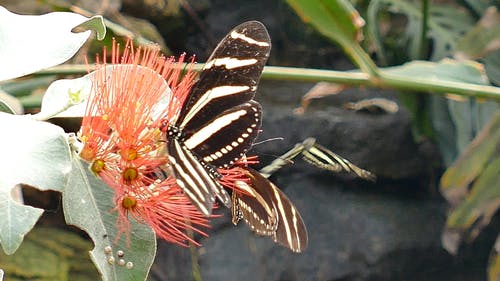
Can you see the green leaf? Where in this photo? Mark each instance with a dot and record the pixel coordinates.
(494, 262)
(341, 23)
(33, 153)
(88, 204)
(337, 20)
(492, 67)
(30, 43)
(446, 70)
(446, 25)
(66, 97)
(483, 38)
(457, 178)
(475, 212)
(95, 23)
(17, 221)
(478, 165)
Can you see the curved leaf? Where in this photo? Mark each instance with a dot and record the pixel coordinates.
(457, 178)
(17, 221)
(469, 218)
(88, 204)
(34, 153)
(30, 43)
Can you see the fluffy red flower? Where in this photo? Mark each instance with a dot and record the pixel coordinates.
(122, 138)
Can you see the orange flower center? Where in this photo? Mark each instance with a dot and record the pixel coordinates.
(97, 166)
(130, 174)
(128, 202)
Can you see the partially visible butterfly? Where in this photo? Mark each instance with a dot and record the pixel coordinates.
(269, 212)
(219, 120)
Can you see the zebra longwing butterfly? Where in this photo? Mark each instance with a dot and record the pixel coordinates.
(219, 120)
(269, 212)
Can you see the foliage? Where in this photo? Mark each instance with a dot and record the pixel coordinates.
(28, 143)
(452, 31)
(31, 143)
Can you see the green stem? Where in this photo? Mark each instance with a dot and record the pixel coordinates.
(352, 78)
(423, 35)
(361, 58)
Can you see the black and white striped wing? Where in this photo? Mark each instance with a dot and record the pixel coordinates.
(324, 158)
(219, 120)
(255, 210)
(229, 79)
(256, 207)
(224, 140)
(291, 232)
(196, 180)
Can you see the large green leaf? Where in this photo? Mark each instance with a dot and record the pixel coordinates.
(30, 43)
(33, 153)
(88, 204)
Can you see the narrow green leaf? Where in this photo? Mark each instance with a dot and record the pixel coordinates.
(88, 204)
(494, 262)
(470, 217)
(457, 178)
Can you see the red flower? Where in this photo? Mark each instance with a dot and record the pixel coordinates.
(122, 139)
(122, 134)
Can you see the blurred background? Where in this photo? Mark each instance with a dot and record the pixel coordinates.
(390, 229)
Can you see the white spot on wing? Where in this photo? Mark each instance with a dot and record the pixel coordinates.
(237, 35)
(211, 94)
(206, 132)
(229, 63)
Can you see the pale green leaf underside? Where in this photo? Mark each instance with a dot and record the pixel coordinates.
(33, 153)
(88, 204)
(57, 96)
(30, 43)
(17, 221)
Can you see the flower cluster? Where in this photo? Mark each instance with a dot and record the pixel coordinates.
(123, 140)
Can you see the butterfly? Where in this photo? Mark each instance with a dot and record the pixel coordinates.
(216, 126)
(219, 120)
